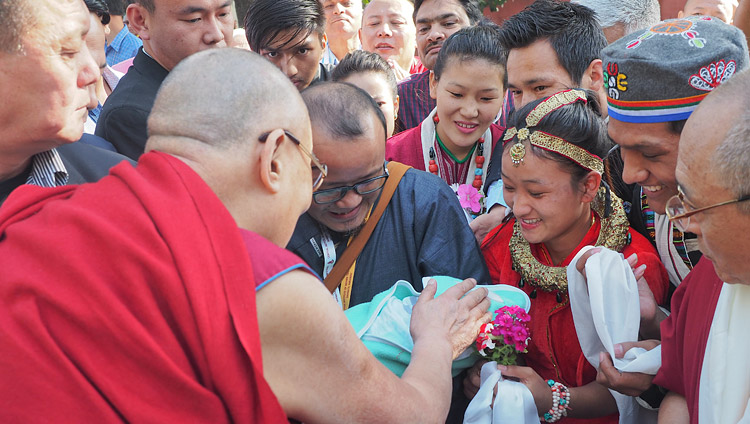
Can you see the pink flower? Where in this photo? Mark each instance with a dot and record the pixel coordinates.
(469, 197)
(506, 336)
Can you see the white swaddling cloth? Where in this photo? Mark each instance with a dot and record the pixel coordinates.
(606, 311)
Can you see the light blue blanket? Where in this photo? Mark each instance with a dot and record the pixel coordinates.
(383, 323)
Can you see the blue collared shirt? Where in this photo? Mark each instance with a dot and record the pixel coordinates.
(123, 47)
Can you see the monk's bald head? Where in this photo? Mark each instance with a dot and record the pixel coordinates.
(222, 98)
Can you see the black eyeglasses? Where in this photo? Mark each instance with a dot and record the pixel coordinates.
(367, 186)
(678, 213)
(320, 170)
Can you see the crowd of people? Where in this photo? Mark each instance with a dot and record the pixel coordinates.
(185, 219)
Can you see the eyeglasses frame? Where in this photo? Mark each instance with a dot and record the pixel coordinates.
(318, 164)
(346, 189)
(681, 197)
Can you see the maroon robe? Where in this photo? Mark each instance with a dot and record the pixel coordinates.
(685, 333)
(128, 300)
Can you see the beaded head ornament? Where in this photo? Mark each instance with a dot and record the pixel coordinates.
(550, 142)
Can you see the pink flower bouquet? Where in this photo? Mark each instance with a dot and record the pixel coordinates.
(502, 339)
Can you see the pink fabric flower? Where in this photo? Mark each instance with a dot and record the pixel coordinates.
(469, 197)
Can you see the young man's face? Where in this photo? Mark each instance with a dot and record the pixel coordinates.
(534, 72)
(177, 29)
(437, 20)
(649, 153)
(297, 57)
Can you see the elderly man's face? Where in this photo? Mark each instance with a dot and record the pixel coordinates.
(388, 30)
(720, 230)
(437, 20)
(343, 18)
(721, 9)
(649, 153)
(349, 162)
(178, 28)
(46, 85)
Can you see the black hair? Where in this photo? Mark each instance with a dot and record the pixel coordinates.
(266, 19)
(471, 7)
(360, 61)
(676, 127)
(577, 123)
(572, 31)
(117, 7)
(99, 8)
(146, 4)
(470, 43)
(340, 107)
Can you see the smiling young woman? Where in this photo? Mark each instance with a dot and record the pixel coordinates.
(552, 173)
(456, 139)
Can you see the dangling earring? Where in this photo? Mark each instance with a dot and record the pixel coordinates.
(436, 118)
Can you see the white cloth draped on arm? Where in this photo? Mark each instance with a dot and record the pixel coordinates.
(606, 311)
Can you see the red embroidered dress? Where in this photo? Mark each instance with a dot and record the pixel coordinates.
(554, 351)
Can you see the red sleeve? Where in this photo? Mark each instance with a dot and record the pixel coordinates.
(497, 133)
(685, 333)
(495, 251)
(656, 275)
(406, 147)
(670, 373)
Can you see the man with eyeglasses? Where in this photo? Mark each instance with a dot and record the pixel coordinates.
(654, 80)
(163, 292)
(422, 232)
(705, 343)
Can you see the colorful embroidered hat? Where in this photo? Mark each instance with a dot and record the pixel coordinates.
(661, 74)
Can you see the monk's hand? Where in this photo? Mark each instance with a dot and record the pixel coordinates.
(535, 383)
(581, 264)
(455, 315)
(483, 224)
(627, 383)
(473, 379)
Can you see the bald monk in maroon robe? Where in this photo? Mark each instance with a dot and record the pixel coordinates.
(160, 294)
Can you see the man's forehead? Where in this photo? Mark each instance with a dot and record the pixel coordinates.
(641, 136)
(291, 38)
(399, 8)
(432, 10)
(59, 20)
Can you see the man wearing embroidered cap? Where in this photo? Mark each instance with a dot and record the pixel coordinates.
(655, 78)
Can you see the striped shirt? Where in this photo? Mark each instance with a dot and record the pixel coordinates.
(415, 102)
(47, 170)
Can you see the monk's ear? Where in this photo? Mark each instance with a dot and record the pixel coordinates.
(433, 85)
(590, 187)
(270, 161)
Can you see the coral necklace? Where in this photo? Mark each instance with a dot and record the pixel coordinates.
(479, 159)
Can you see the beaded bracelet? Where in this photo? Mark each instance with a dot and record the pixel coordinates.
(560, 402)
